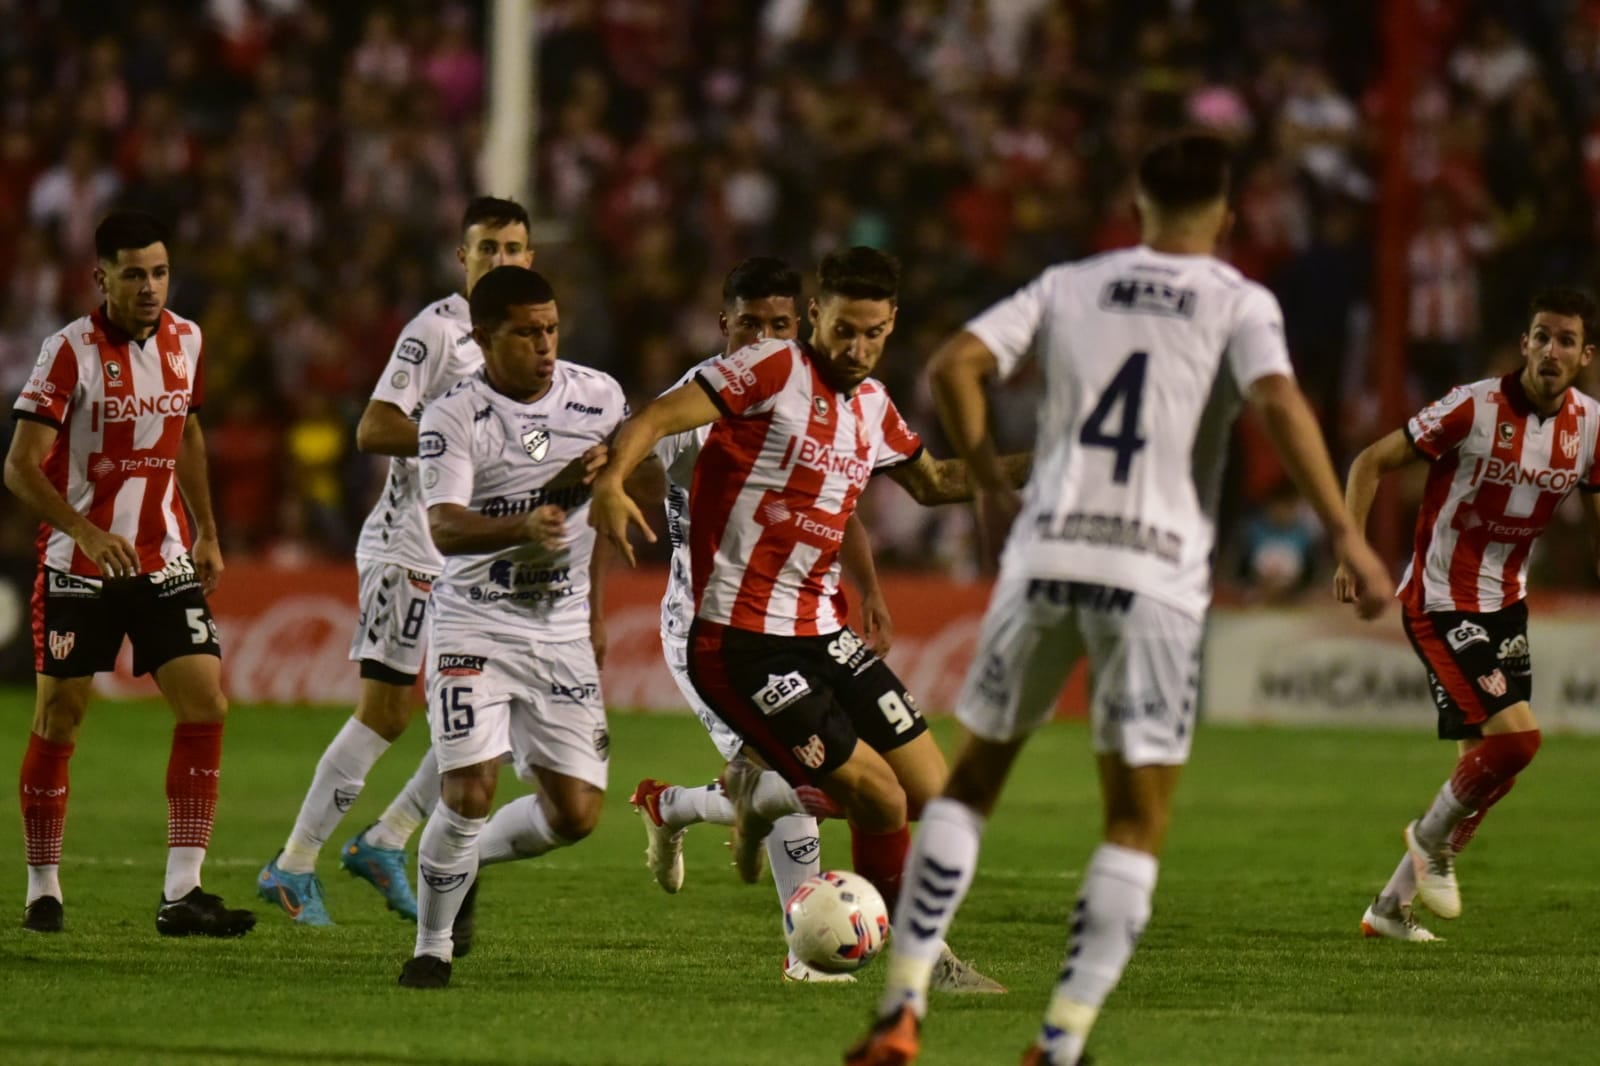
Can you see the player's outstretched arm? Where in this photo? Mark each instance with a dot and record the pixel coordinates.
(959, 373)
(194, 482)
(612, 511)
(457, 530)
(384, 429)
(856, 555)
(933, 481)
(1297, 439)
(25, 478)
(1391, 453)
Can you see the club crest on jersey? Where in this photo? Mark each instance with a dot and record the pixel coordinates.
(819, 404)
(179, 365)
(114, 371)
(1569, 444)
(61, 643)
(1506, 432)
(536, 442)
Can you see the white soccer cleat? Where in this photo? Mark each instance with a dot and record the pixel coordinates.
(739, 782)
(950, 974)
(1436, 876)
(1393, 921)
(795, 972)
(663, 851)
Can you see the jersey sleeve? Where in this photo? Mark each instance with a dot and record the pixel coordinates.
(1440, 427)
(418, 358)
(51, 388)
(897, 442)
(1256, 346)
(748, 381)
(444, 453)
(1008, 328)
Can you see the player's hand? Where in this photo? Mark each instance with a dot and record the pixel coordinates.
(1371, 586)
(611, 512)
(594, 460)
(207, 556)
(1344, 585)
(597, 640)
(876, 625)
(113, 555)
(547, 526)
(997, 509)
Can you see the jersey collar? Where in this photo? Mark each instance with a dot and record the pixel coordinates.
(115, 333)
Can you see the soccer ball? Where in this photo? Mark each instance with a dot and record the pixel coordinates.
(836, 922)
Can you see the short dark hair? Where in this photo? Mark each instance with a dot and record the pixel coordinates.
(759, 277)
(494, 210)
(1186, 172)
(127, 230)
(503, 288)
(859, 273)
(1565, 300)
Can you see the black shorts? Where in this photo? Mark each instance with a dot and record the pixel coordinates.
(802, 702)
(79, 622)
(1478, 664)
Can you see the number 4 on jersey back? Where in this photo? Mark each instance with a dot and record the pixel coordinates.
(1125, 394)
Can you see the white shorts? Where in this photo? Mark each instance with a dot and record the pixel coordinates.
(1144, 666)
(540, 701)
(394, 613)
(676, 652)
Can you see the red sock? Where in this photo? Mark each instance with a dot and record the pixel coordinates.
(192, 775)
(1461, 836)
(44, 799)
(881, 859)
(1484, 769)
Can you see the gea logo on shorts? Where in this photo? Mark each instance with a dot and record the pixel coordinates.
(1466, 634)
(461, 665)
(781, 690)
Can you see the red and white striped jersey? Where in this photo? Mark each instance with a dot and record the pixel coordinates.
(1499, 473)
(777, 479)
(120, 406)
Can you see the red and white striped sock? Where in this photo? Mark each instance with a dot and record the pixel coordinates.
(193, 773)
(43, 788)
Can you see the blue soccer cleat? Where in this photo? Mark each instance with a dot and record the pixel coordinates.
(299, 895)
(384, 869)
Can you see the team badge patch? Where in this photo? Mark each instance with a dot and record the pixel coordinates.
(811, 753)
(536, 442)
(602, 743)
(1494, 683)
(179, 365)
(61, 643)
(1569, 444)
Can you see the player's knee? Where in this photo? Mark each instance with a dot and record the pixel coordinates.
(1141, 830)
(386, 717)
(59, 714)
(877, 806)
(1521, 747)
(575, 818)
(206, 706)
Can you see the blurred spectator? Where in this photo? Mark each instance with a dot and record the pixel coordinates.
(1279, 547)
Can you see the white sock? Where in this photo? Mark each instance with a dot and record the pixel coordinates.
(410, 808)
(183, 871)
(519, 830)
(794, 851)
(341, 772)
(682, 807)
(43, 881)
(447, 864)
(773, 797)
(1113, 908)
(939, 871)
(1402, 886)
(1433, 828)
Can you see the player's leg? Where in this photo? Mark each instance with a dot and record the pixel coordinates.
(60, 704)
(377, 854)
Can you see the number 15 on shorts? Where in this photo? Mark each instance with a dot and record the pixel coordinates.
(455, 712)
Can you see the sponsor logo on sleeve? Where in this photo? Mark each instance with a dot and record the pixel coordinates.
(1465, 635)
(430, 445)
(781, 690)
(412, 351)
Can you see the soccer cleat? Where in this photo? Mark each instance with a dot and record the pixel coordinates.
(382, 868)
(201, 914)
(465, 928)
(797, 972)
(299, 895)
(425, 971)
(663, 851)
(43, 915)
(1436, 876)
(739, 782)
(894, 1041)
(950, 974)
(1394, 921)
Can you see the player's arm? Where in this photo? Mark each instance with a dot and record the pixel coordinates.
(960, 372)
(459, 530)
(933, 481)
(685, 408)
(1382, 457)
(24, 476)
(194, 482)
(384, 429)
(856, 555)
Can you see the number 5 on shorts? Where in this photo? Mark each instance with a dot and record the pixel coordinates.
(896, 712)
(199, 632)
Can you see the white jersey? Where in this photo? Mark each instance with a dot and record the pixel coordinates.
(499, 457)
(1134, 420)
(678, 453)
(434, 351)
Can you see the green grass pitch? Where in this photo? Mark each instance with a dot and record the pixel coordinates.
(1253, 956)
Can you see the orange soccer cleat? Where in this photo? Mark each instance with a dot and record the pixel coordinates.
(894, 1041)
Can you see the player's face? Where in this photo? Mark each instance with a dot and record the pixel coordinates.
(1555, 351)
(486, 246)
(521, 353)
(135, 285)
(749, 321)
(849, 335)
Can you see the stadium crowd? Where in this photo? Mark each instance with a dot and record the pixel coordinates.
(314, 158)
